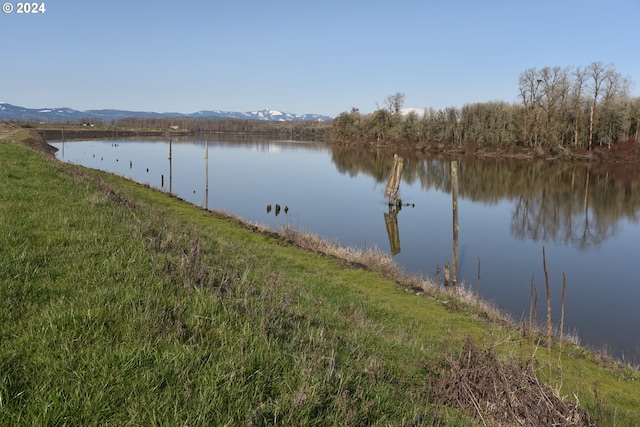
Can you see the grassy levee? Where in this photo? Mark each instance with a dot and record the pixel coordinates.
(122, 305)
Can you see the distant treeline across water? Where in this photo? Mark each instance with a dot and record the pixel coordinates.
(560, 108)
(146, 127)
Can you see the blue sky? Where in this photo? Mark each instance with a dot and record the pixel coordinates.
(301, 56)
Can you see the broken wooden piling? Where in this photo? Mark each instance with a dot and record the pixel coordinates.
(394, 179)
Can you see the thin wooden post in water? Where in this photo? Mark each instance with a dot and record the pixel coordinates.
(454, 203)
(206, 187)
(478, 283)
(170, 169)
(549, 324)
(447, 274)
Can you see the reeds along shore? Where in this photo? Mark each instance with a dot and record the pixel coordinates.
(546, 333)
(498, 379)
(374, 259)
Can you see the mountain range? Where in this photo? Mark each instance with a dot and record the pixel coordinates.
(14, 112)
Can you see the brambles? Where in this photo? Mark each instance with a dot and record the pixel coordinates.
(504, 393)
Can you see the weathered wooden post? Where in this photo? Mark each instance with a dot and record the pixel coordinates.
(394, 180)
(206, 187)
(447, 274)
(454, 203)
(170, 169)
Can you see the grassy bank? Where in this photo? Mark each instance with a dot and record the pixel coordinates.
(122, 305)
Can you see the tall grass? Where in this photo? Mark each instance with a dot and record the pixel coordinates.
(121, 305)
(113, 312)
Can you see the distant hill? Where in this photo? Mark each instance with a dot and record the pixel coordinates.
(14, 112)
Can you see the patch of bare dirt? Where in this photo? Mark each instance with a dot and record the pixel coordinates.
(6, 130)
(623, 152)
(33, 138)
(620, 162)
(35, 141)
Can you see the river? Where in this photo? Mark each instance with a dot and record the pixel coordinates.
(586, 218)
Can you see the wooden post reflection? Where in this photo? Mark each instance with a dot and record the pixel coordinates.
(391, 222)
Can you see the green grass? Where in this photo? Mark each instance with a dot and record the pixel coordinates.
(121, 305)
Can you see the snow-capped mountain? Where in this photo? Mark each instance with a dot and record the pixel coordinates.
(406, 111)
(268, 115)
(14, 112)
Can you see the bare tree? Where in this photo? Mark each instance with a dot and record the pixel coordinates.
(529, 87)
(560, 107)
(596, 72)
(606, 86)
(394, 102)
(554, 84)
(576, 95)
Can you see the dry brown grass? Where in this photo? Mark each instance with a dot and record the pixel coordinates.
(371, 258)
(498, 391)
(504, 394)
(374, 259)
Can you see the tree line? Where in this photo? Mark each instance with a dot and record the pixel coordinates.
(313, 130)
(307, 129)
(558, 108)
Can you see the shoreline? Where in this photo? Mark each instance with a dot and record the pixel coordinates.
(621, 152)
(373, 259)
(625, 153)
(59, 134)
(408, 282)
(274, 247)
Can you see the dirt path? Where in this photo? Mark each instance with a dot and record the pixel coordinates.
(29, 137)
(7, 130)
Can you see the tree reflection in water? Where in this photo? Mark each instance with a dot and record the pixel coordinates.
(569, 203)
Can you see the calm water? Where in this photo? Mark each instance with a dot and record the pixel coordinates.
(587, 220)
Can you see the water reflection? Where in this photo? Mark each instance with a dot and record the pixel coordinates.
(586, 217)
(578, 210)
(561, 202)
(566, 203)
(391, 224)
(568, 215)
